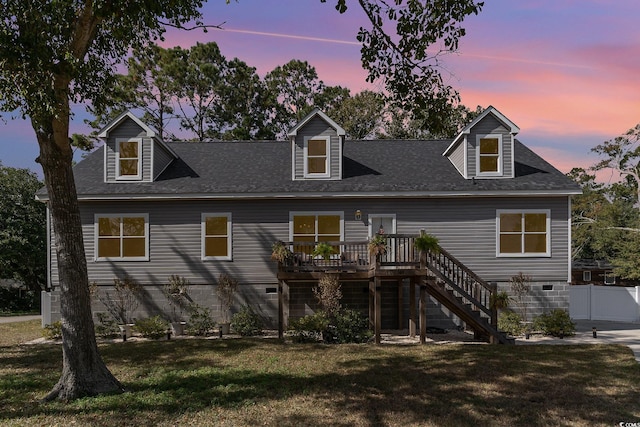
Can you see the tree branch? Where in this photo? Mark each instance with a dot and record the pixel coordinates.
(195, 27)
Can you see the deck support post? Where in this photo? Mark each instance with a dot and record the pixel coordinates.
(423, 312)
(377, 308)
(412, 307)
(372, 304)
(283, 308)
(400, 303)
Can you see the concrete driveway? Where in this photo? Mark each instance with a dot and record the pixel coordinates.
(14, 319)
(607, 333)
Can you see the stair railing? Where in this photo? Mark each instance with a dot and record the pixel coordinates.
(464, 282)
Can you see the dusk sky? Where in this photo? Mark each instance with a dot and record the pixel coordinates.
(565, 71)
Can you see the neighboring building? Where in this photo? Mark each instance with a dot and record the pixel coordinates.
(151, 209)
(596, 272)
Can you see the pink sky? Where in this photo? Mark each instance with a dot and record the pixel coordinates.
(565, 71)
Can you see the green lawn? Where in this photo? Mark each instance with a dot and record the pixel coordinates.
(264, 382)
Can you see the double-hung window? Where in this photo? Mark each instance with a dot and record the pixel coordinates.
(316, 227)
(129, 159)
(489, 155)
(523, 233)
(122, 237)
(316, 157)
(216, 236)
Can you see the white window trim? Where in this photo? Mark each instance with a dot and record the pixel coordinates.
(500, 155)
(607, 275)
(306, 172)
(96, 218)
(546, 254)
(137, 177)
(316, 213)
(372, 217)
(586, 276)
(203, 229)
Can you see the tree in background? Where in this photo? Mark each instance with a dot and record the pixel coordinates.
(606, 217)
(23, 229)
(361, 115)
(403, 124)
(296, 90)
(55, 53)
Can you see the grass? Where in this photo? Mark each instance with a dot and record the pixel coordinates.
(19, 332)
(258, 381)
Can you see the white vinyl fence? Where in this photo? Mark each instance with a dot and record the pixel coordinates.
(590, 302)
(45, 307)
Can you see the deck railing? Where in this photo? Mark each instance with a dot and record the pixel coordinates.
(345, 255)
(399, 252)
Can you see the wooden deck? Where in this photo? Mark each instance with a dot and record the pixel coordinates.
(438, 274)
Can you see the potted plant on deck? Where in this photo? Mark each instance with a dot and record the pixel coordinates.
(426, 243)
(377, 245)
(226, 290)
(324, 250)
(280, 252)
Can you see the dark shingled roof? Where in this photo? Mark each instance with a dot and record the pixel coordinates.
(378, 166)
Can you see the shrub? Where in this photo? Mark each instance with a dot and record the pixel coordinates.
(246, 322)
(346, 326)
(14, 300)
(107, 328)
(352, 327)
(328, 293)
(309, 328)
(53, 331)
(227, 287)
(511, 323)
(176, 292)
(152, 327)
(200, 320)
(557, 323)
(124, 300)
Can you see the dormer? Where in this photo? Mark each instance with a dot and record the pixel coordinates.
(316, 148)
(133, 151)
(484, 148)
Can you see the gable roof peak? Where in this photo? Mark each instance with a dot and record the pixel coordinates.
(316, 112)
(104, 132)
(513, 128)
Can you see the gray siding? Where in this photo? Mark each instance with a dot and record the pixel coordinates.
(128, 129)
(317, 127)
(161, 159)
(490, 125)
(457, 158)
(466, 227)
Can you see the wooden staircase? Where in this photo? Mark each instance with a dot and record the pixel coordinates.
(464, 294)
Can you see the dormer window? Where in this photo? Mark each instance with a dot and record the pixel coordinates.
(129, 159)
(316, 157)
(489, 155)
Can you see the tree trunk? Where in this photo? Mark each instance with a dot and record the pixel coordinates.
(83, 371)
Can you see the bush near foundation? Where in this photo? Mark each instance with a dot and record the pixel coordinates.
(246, 322)
(345, 326)
(152, 327)
(511, 323)
(557, 323)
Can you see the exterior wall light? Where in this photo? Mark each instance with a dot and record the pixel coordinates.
(358, 215)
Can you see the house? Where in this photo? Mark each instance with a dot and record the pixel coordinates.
(151, 209)
(596, 272)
